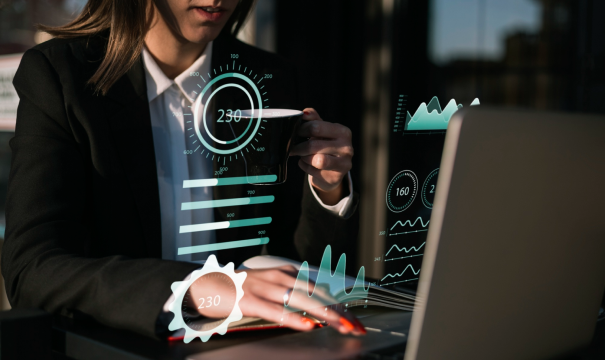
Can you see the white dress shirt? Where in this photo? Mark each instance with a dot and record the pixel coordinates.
(168, 101)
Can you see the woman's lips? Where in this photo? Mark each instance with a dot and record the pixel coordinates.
(210, 13)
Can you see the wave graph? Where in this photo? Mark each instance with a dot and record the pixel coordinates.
(412, 224)
(407, 250)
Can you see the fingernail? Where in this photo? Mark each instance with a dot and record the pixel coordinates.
(359, 326)
(306, 112)
(346, 323)
(307, 321)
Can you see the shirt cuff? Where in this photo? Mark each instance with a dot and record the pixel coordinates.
(342, 208)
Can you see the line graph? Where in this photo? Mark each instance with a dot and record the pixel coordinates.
(407, 251)
(410, 224)
(415, 272)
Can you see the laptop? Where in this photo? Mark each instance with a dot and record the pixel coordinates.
(514, 265)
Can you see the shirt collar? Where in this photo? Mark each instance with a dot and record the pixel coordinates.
(158, 82)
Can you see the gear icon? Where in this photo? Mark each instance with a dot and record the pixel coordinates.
(183, 319)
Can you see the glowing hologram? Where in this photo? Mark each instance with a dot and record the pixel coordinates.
(340, 287)
(180, 289)
(431, 116)
(401, 273)
(413, 248)
(412, 224)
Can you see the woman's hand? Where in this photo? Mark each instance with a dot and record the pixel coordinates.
(264, 291)
(326, 156)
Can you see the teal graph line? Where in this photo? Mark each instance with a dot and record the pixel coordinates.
(412, 224)
(335, 282)
(228, 202)
(404, 257)
(224, 225)
(401, 273)
(413, 248)
(398, 282)
(229, 181)
(222, 246)
(431, 117)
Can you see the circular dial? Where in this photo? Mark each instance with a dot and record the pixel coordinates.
(401, 191)
(428, 188)
(223, 134)
(212, 294)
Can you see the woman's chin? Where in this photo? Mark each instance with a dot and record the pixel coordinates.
(202, 36)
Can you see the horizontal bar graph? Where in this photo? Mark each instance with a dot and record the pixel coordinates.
(224, 225)
(222, 246)
(195, 205)
(241, 180)
(219, 225)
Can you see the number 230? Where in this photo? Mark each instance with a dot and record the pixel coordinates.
(217, 300)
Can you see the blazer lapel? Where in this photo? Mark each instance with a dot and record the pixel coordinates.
(131, 130)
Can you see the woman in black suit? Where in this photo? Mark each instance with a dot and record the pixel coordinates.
(83, 211)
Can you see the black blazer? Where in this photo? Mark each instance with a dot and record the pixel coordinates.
(83, 216)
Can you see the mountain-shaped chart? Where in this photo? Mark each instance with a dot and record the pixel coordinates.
(431, 116)
(341, 287)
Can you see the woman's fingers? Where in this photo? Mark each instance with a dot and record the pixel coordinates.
(268, 291)
(328, 162)
(325, 156)
(288, 269)
(284, 276)
(344, 322)
(257, 307)
(296, 299)
(324, 179)
(320, 307)
(275, 284)
(318, 146)
(324, 130)
(264, 306)
(310, 114)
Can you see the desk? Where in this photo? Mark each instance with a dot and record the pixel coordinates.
(78, 341)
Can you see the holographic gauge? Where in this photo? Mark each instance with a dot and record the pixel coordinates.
(428, 189)
(401, 191)
(223, 134)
